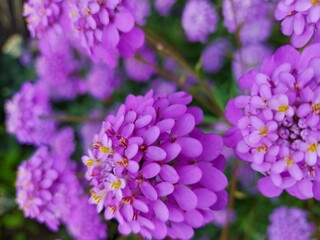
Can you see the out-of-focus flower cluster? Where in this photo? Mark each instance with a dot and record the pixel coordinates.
(300, 19)
(154, 171)
(277, 124)
(289, 223)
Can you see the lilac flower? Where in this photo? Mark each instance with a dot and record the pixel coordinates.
(255, 31)
(213, 55)
(221, 217)
(41, 15)
(276, 124)
(24, 113)
(160, 85)
(248, 58)
(57, 66)
(45, 190)
(199, 19)
(102, 81)
(154, 171)
(105, 29)
(140, 71)
(239, 12)
(141, 10)
(289, 223)
(300, 19)
(84, 223)
(163, 7)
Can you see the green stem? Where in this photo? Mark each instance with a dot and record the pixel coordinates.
(70, 118)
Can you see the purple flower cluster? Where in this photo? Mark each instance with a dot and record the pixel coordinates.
(45, 189)
(199, 19)
(141, 71)
(277, 123)
(102, 81)
(57, 66)
(289, 223)
(41, 15)
(300, 20)
(24, 113)
(105, 28)
(141, 9)
(48, 190)
(154, 171)
(213, 55)
(163, 7)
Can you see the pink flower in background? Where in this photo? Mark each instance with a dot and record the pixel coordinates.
(164, 7)
(199, 19)
(276, 126)
(154, 171)
(300, 19)
(24, 111)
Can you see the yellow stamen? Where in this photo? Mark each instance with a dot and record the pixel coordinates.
(283, 108)
(89, 163)
(87, 11)
(112, 209)
(104, 149)
(316, 108)
(262, 147)
(96, 198)
(116, 184)
(313, 147)
(289, 161)
(264, 131)
(315, 2)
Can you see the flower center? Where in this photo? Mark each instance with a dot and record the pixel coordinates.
(264, 131)
(112, 209)
(104, 149)
(116, 184)
(316, 108)
(313, 147)
(283, 108)
(262, 147)
(96, 198)
(315, 2)
(289, 161)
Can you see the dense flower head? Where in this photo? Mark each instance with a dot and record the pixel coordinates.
(277, 123)
(300, 19)
(249, 57)
(103, 81)
(164, 7)
(105, 28)
(213, 55)
(199, 19)
(24, 111)
(45, 189)
(141, 70)
(289, 223)
(141, 9)
(160, 85)
(153, 170)
(84, 223)
(239, 12)
(57, 66)
(41, 15)
(255, 31)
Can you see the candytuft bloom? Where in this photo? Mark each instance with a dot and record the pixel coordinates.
(103, 81)
(163, 7)
(141, 70)
(154, 171)
(41, 15)
(277, 123)
(24, 111)
(212, 56)
(105, 29)
(199, 19)
(289, 223)
(45, 190)
(300, 19)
